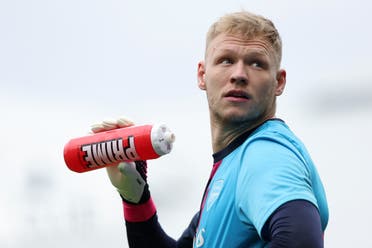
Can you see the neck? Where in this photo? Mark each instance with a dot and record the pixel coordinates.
(224, 133)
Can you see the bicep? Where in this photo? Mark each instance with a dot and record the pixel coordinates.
(294, 224)
(268, 181)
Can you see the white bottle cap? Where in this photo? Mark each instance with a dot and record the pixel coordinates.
(162, 139)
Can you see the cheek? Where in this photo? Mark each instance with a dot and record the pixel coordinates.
(211, 94)
(214, 83)
(267, 90)
(218, 75)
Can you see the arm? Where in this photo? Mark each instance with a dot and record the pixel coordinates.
(294, 224)
(143, 228)
(130, 180)
(282, 204)
(150, 234)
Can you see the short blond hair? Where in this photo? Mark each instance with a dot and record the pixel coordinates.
(249, 26)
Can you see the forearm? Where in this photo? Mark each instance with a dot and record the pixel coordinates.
(149, 233)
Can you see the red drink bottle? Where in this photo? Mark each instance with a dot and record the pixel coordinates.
(112, 147)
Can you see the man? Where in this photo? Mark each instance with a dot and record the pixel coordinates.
(264, 190)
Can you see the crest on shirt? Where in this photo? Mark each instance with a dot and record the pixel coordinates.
(199, 241)
(214, 193)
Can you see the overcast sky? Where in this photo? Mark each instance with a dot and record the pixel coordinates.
(67, 64)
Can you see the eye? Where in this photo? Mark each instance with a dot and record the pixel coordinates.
(259, 64)
(225, 61)
(256, 64)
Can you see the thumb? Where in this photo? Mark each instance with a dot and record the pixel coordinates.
(118, 173)
(127, 181)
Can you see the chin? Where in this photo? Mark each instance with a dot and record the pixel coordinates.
(239, 118)
(234, 118)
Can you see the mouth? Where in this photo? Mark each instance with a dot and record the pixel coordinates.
(237, 94)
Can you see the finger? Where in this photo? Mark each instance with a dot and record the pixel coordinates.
(106, 125)
(114, 174)
(124, 122)
(127, 168)
(113, 169)
(109, 124)
(97, 128)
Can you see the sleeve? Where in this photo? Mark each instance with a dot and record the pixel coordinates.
(149, 233)
(272, 173)
(294, 224)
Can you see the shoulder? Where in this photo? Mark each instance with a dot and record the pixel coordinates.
(273, 151)
(273, 170)
(273, 141)
(274, 130)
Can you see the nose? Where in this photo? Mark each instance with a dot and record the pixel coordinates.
(239, 74)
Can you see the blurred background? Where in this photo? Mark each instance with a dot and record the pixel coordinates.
(67, 64)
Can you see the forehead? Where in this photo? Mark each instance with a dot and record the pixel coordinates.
(230, 43)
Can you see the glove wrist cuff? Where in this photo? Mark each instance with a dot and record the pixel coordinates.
(139, 212)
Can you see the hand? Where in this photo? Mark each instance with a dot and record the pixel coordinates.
(129, 178)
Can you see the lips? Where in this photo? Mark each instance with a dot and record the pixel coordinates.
(240, 94)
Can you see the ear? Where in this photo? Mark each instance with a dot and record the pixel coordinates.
(281, 78)
(201, 75)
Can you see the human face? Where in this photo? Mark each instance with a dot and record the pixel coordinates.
(241, 79)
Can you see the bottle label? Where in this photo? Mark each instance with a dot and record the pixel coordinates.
(109, 152)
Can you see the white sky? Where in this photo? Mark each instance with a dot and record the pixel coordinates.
(67, 64)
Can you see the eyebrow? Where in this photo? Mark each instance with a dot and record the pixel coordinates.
(254, 52)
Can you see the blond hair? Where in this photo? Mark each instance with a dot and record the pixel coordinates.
(248, 26)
